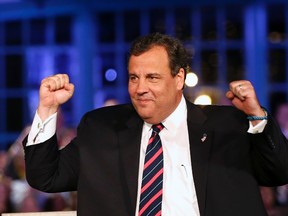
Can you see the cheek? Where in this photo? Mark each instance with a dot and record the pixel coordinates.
(131, 89)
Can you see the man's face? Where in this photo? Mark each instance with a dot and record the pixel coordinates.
(154, 92)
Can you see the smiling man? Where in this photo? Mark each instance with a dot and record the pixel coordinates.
(154, 91)
(160, 155)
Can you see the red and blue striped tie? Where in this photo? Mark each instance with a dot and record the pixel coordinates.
(152, 180)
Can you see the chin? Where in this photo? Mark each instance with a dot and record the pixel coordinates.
(145, 116)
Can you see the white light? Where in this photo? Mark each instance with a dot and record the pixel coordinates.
(191, 79)
(203, 100)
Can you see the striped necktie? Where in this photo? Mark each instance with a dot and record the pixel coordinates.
(152, 180)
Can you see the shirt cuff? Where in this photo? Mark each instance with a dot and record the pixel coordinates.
(259, 128)
(42, 131)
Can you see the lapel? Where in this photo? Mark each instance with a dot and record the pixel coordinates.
(200, 142)
(129, 139)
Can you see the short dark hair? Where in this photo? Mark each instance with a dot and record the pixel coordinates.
(178, 56)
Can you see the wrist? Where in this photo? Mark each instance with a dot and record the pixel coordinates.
(258, 117)
(45, 113)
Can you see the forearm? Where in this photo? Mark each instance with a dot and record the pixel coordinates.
(269, 155)
(49, 170)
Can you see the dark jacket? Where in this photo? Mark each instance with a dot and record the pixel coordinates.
(102, 162)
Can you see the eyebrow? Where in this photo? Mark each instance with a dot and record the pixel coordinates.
(153, 74)
(148, 74)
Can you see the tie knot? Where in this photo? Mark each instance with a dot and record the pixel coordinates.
(157, 127)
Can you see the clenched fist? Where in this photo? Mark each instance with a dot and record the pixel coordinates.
(243, 97)
(54, 91)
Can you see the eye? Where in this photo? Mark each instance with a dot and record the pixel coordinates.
(133, 78)
(153, 77)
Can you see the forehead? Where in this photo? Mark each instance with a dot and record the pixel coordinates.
(157, 55)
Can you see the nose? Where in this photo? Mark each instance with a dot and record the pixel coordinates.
(142, 86)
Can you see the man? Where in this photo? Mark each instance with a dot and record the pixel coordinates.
(214, 158)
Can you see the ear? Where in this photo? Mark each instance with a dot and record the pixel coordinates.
(180, 79)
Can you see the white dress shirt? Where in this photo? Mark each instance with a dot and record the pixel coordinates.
(179, 196)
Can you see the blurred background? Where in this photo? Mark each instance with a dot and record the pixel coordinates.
(89, 40)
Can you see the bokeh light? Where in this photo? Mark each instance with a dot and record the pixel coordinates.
(191, 79)
(203, 100)
(110, 75)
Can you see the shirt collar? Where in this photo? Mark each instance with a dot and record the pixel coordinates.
(176, 118)
(173, 121)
